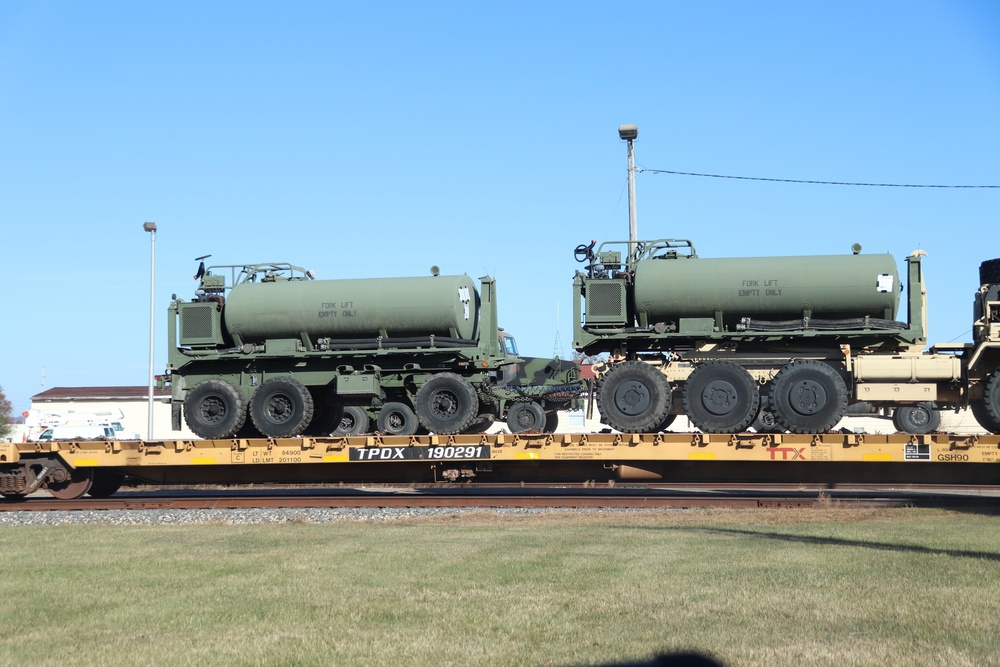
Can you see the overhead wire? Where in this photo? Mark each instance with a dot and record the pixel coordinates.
(795, 180)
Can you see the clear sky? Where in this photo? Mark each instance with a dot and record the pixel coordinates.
(376, 139)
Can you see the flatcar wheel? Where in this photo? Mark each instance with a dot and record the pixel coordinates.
(447, 404)
(214, 409)
(721, 397)
(281, 408)
(808, 396)
(397, 419)
(354, 421)
(105, 484)
(634, 397)
(917, 419)
(73, 485)
(525, 416)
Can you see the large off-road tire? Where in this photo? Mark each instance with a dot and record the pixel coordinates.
(989, 410)
(989, 272)
(667, 421)
(481, 423)
(991, 396)
(634, 397)
(808, 396)
(214, 409)
(721, 397)
(551, 422)
(447, 404)
(978, 409)
(281, 408)
(524, 417)
(485, 419)
(397, 419)
(353, 421)
(765, 421)
(917, 419)
(327, 412)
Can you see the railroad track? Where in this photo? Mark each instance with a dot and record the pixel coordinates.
(566, 497)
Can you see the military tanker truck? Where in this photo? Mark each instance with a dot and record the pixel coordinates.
(790, 342)
(266, 349)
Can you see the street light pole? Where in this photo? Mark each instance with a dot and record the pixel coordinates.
(629, 133)
(151, 228)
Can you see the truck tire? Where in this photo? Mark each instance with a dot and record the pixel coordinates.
(353, 421)
(808, 396)
(721, 397)
(327, 413)
(281, 408)
(765, 421)
(634, 397)
(989, 272)
(214, 409)
(551, 422)
(978, 409)
(525, 416)
(446, 404)
(916, 419)
(667, 421)
(991, 400)
(397, 419)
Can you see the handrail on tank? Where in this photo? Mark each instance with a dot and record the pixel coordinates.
(637, 251)
(264, 272)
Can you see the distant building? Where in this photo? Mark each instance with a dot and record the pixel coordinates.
(132, 401)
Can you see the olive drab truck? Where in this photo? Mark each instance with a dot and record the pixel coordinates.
(267, 349)
(789, 342)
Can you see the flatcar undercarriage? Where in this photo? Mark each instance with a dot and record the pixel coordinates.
(69, 470)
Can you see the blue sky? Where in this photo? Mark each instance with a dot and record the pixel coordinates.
(377, 139)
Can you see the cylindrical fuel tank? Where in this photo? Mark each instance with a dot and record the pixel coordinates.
(361, 308)
(768, 288)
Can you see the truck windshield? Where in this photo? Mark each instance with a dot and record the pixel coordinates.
(509, 345)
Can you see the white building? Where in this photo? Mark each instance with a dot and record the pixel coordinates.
(132, 401)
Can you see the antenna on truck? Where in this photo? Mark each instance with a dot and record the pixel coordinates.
(201, 266)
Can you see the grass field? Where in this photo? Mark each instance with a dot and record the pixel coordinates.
(782, 587)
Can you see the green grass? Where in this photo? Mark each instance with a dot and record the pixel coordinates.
(891, 587)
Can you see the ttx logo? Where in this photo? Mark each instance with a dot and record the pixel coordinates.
(787, 453)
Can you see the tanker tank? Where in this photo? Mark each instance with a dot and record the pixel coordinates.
(824, 287)
(445, 306)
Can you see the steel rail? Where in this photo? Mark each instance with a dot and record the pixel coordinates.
(690, 497)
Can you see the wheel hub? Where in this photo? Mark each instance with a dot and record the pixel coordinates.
(444, 404)
(632, 398)
(213, 410)
(279, 409)
(807, 397)
(719, 397)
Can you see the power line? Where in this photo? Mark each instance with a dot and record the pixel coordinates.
(793, 180)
